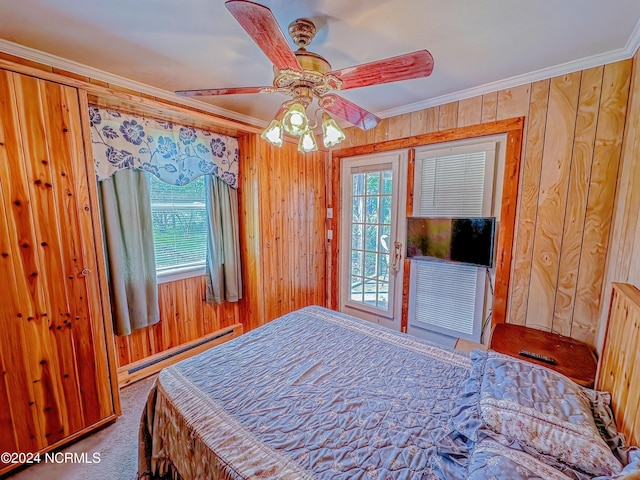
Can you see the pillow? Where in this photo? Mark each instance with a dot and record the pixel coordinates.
(490, 461)
(534, 406)
(604, 420)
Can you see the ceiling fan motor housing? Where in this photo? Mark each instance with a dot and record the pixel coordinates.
(305, 75)
(302, 31)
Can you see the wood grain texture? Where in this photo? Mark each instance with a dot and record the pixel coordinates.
(185, 316)
(513, 102)
(56, 337)
(602, 187)
(579, 176)
(87, 192)
(550, 245)
(399, 126)
(406, 272)
(529, 191)
(418, 122)
(619, 368)
(448, 116)
(334, 198)
(624, 252)
(471, 131)
(379, 133)
(506, 233)
(469, 111)
(290, 229)
(433, 117)
(552, 199)
(489, 107)
(23, 426)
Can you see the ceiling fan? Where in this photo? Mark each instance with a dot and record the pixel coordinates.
(305, 75)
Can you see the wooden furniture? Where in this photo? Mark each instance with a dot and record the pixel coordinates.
(619, 369)
(572, 358)
(57, 382)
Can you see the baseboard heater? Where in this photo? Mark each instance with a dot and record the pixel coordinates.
(148, 366)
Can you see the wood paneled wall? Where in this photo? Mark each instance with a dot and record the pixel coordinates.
(624, 258)
(574, 127)
(282, 229)
(184, 316)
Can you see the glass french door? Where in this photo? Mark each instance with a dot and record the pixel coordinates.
(372, 226)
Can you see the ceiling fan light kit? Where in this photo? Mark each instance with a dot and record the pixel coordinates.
(305, 76)
(307, 142)
(295, 120)
(274, 133)
(332, 134)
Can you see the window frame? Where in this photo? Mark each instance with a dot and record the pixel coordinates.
(493, 146)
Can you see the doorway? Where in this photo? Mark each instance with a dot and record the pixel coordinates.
(373, 221)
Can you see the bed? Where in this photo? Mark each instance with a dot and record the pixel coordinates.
(317, 394)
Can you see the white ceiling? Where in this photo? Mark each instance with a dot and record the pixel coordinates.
(478, 46)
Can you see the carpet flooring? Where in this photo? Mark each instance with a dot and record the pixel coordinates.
(117, 445)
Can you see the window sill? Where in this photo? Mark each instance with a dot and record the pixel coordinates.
(180, 273)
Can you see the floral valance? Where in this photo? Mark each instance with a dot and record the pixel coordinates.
(173, 153)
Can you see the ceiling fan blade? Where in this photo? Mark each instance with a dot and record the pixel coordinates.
(261, 25)
(206, 92)
(403, 67)
(351, 112)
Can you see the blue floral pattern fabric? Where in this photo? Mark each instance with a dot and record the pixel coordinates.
(175, 154)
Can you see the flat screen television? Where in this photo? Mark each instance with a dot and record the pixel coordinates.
(451, 239)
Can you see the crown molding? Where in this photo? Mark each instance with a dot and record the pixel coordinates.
(630, 49)
(632, 45)
(112, 79)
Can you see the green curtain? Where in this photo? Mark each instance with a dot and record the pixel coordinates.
(224, 279)
(126, 216)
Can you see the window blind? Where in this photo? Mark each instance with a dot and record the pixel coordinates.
(453, 185)
(179, 221)
(445, 297)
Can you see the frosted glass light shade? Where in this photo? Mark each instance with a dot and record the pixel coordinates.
(274, 133)
(307, 142)
(295, 120)
(332, 134)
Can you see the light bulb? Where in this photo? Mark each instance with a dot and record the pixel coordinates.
(295, 119)
(273, 133)
(331, 132)
(307, 142)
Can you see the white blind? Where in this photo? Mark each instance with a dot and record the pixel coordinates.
(179, 221)
(445, 295)
(453, 185)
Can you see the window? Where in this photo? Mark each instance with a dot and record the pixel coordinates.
(449, 299)
(370, 235)
(179, 220)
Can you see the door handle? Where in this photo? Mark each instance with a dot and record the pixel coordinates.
(397, 257)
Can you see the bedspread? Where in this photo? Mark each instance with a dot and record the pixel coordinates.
(312, 395)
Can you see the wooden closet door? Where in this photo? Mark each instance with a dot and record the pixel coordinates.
(55, 376)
